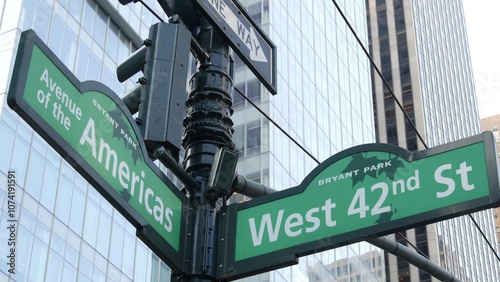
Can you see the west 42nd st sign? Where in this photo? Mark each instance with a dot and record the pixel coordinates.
(360, 193)
(85, 122)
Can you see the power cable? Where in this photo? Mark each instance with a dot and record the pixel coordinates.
(275, 124)
(484, 236)
(151, 11)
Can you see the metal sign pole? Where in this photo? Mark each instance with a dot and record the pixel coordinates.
(208, 128)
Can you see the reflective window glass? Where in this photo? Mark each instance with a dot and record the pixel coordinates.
(6, 144)
(83, 61)
(253, 139)
(103, 233)
(71, 255)
(89, 15)
(99, 276)
(164, 272)
(57, 244)
(63, 201)
(42, 20)
(123, 49)
(24, 130)
(42, 232)
(23, 252)
(128, 254)
(100, 27)
(27, 14)
(64, 3)
(69, 272)
(253, 90)
(75, 9)
(54, 267)
(142, 260)
(83, 277)
(91, 222)
(116, 247)
(69, 47)
(113, 273)
(57, 34)
(94, 71)
(108, 76)
(35, 174)
(86, 268)
(49, 186)
(77, 211)
(21, 150)
(38, 259)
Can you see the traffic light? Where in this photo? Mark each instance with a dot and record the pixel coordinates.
(164, 61)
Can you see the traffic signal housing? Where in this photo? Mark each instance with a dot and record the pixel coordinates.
(164, 61)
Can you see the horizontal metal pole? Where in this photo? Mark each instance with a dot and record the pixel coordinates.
(161, 154)
(415, 259)
(250, 188)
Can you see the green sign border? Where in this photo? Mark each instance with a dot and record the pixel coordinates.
(233, 269)
(16, 102)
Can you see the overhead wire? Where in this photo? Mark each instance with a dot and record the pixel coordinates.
(275, 124)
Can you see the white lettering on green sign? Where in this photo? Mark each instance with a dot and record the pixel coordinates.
(160, 213)
(63, 100)
(96, 128)
(294, 223)
(360, 191)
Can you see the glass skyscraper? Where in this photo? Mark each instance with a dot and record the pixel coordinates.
(422, 50)
(68, 232)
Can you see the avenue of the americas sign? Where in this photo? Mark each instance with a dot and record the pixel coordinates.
(360, 193)
(246, 38)
(85, 122)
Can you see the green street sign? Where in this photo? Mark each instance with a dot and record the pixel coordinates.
(360, 193)
(87, 124)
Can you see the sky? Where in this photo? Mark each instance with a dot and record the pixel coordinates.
(483, 29)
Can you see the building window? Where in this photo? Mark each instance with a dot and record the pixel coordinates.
(253, 140)
(250, 88)
(238, 100)
(253, 90)
(247, 139)
(255, 12)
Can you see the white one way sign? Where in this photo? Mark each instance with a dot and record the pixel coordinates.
(247, 36)
(244, 36)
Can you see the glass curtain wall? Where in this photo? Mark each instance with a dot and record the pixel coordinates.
(66, 230)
